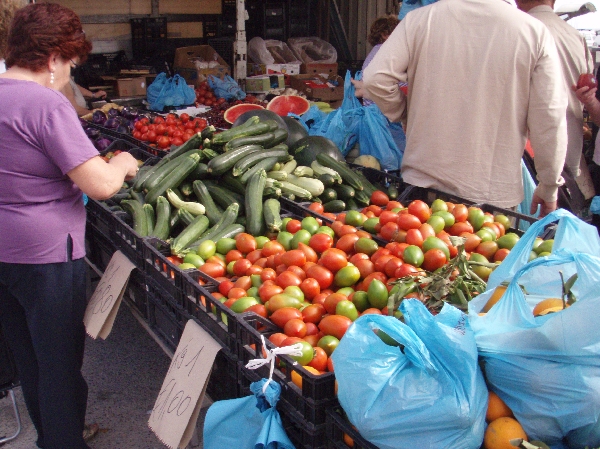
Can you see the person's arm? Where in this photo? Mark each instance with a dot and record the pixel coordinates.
(100, 180)
(547, 126)
(89, 94)
(587, 96)
(67, 91)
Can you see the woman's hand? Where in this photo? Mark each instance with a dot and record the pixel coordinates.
(99, 94)
(358, 87)
(128, 162)
(585, 94)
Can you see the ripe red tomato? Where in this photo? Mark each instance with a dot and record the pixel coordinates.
(310, 287)
(320, 242)
(323, 276)
(293, 257)
(283, 315)
(313, 313)
(434, 259)
(419, 209)
(319, 361)
(334, 259)
(177, 141)
(331, 301)
(309, 253)
(414, 237)
(346, 242)
(163, 142)
(268, 289)
(408, 221)
(287, 278)
(335, 325)
(295, 328)
(293, 226)
(245, 242)
(379, 198)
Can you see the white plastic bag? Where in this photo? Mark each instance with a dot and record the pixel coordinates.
(312, 49)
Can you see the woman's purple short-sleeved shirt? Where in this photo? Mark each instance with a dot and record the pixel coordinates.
(41, 140)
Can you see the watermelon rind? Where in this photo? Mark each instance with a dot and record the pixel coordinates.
(306, 149)
(283, 105)
(233, 112)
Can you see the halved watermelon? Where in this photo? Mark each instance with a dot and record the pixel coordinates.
(306, 149)
(284, 104)
(232, 113)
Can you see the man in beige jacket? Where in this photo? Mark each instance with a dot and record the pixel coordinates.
(481, 75)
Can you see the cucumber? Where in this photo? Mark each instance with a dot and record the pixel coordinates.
(241, 131)
(227, 219)
(223, 162)
(334, 206)
(265, 164)
(212, 211)
(232, 183)
(344, 191)
(191, 233)
(136, 210)
(162, 226)
(253, 203)
(176, 177)
(248, 161)
(150, 217)
(260, 139)
(343, 170)
(272, 214)
(280, 135)
(328, 194)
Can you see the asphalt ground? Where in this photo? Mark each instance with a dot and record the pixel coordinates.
(124, 375)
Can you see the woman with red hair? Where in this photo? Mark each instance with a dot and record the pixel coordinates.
(46, 164)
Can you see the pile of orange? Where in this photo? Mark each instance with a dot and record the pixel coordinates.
(502, 426)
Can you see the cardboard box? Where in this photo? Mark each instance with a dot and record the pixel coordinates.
(264, 83)
(319, 88)
(254, 69)
(196, 63)
(314, 68)
(128, 87)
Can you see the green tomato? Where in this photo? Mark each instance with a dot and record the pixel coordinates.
(437, 222)
(413, 255)
(243, 303)
(207, 249)
(432, 242)
(294, 291)
(346, 291)
(346, 308)
(508, 240)
(377, 294)
(366, 246)
(301, 235)
(187, 266)
(361, 300)
(370, 224)
(225, 244)
(285, 238)
(326, 230)
(261, 240)
(310, 224)
(447, 216)
(439, 205)
(328, 343)
(347, 276)
(308, 352)
(194, 259)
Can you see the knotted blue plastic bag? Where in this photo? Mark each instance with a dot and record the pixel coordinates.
(341, 126)
(409, 5)
(226, 88)
(251, 422)
(430, 394)
(528, 188)
(169, 92)
(547, 368)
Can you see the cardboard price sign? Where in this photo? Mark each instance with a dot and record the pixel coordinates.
(176, 410)
(104, 304)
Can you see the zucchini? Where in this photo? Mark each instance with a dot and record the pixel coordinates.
(224, 197)
(185, 217)
(361, 197)
(164, 171)
(259, 139)
(212, 211)
(136, 210)
(186, 187)
(334, 206)
(223, 162)
(279, 175)
(192, 207)
(290, 166)
(313, 185)
(328, 194)
(351, 204)
(191, 233)
(162, 226)
(207, 132)
(251, 159)
(344, 191)
(253, 203)
(342, 168)
(265, 164)
(287, 188)
(272, 214)
(393, 192)
(280, 135)
(252, 129)
(303, 170)
(232, 183)
(227, 219)
(174, 218)
(150, 217)
(176, 177)
(320, 170)
(200, 172)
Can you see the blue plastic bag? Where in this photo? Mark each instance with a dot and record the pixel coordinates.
(375, 139)
(169, 92)
(430, 394)
(528, 189)
(547, 368)
(226, 88)
(409, 5)
(251, 422)
(341, 126)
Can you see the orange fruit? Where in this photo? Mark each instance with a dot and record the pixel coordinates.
(547, 306)
(500, 431)
(297, 378)
(497, 408)
(498, 292)
(348, 440)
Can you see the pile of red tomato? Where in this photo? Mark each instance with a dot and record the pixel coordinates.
(170, 130)
(205, 95)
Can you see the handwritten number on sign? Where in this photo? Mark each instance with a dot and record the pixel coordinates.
(104, 297)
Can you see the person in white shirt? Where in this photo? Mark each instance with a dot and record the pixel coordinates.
(482, 75)
(7, 10)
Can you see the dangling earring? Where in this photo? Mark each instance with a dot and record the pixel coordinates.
(51, 77)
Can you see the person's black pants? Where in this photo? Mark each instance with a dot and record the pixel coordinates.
(41, 313)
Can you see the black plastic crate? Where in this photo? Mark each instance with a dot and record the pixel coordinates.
(129, 138)
(165, 317)
(100, 247)
(147, 34)
(137, 292)
(317, 392)
(210, 27)
(224, 45)
(338, 429)
(223, 381)
(100, 217)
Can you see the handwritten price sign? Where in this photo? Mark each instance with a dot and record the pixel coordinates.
(177, 406)
(104, 304)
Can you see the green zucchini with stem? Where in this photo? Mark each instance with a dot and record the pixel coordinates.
(136, 210)
(272, 214)
(343, 170)
(253, 203)
(265, 164)
(212, 211)
(225, 161)
(176, 177)
(191, 233)
(249, 160)
(162, 226)
(150, 217)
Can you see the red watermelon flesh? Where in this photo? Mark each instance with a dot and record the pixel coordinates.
(232, 113)
(284, 104)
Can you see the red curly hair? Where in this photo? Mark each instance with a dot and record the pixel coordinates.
(41, 29)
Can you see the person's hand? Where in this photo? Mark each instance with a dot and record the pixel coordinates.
(585, 94)
(128, 162)
(358, 87)
(545, 206)
(99, 94)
